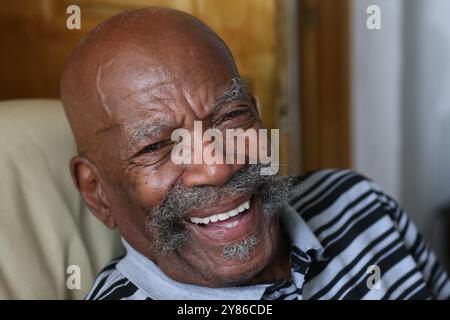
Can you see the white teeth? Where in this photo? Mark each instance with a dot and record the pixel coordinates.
(232, 224)
(234, 212)
(223, 216)
(195, 220)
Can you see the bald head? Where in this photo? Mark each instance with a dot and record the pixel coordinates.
(129, 61)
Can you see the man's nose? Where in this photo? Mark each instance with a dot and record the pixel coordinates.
(196, 175)
(205, 171)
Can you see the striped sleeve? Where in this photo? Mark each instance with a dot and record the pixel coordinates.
(359, 227)
(111, 284)
(432, 271)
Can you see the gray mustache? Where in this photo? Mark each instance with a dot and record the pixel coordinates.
(166, 221)
(183, 199)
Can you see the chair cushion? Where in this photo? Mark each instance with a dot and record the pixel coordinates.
(44, 226)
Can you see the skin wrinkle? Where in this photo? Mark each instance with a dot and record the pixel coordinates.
(160, 101)
(100, 93)
(147, 89)
(193, 67)
(104, 130)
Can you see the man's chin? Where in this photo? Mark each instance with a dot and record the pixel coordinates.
(234, 258)
(241, 271)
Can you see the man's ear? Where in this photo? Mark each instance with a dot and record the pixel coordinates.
(87, 180)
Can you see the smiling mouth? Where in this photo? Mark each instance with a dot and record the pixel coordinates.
(229, 219)
(235, 221)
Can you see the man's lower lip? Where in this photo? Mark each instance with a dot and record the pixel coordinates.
(224, 234)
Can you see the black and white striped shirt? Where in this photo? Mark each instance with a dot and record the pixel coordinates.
(340, 225)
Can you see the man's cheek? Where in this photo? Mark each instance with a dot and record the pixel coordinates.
(148, 189)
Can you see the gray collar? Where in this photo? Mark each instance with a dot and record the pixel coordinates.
(300, 233)
(147, 276)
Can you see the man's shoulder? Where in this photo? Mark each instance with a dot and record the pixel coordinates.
(111, 284)
(329, 191)
(319, 183)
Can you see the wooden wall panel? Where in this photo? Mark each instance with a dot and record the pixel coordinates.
(324, 89)
(36, 43)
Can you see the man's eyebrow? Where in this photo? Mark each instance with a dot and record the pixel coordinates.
(140, 131)
(236, 90)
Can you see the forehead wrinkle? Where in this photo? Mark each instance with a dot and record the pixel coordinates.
(154, 104)
(153, 97)
(146, 90)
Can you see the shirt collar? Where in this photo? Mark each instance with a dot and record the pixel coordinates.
(300, 233)
(146, 275)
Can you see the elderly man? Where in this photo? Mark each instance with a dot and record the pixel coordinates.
(218, 230)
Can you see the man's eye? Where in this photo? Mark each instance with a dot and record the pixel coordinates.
(234, 114)
(154, 147)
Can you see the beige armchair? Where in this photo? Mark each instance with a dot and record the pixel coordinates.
(46, 233)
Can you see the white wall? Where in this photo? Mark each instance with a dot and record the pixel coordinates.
(376, 93)
(401, 105)
(426, 111)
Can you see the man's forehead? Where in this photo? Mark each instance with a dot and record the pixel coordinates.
(123, 79)
(138, 74)
(142, 88)
(158, 113)
(143, 122)
(157, 102)
(150, 125)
